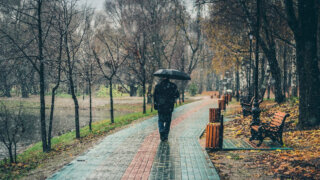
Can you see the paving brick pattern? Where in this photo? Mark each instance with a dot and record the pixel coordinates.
(137, 153)
(110, 158)
(187, 159)
(141, 164)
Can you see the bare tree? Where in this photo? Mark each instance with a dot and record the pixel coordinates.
(109, 55)
(88, 68)
(75, 26)
(12, 127)
(36, 16)
(193, 40)
(56, 66)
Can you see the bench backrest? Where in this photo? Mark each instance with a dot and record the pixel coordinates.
(278, 120)
(251, 101)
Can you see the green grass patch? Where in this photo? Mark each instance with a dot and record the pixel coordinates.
(104, 92)
(33, 157)
(271, 99)
(63, 95)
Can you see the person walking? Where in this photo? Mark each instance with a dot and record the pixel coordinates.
(165, 95)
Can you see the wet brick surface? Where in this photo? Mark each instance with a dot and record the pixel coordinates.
(137, 152)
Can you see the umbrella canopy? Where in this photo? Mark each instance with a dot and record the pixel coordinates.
(172, 74)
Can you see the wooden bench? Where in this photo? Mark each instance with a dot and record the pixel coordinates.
(246, 107)
(273, 129)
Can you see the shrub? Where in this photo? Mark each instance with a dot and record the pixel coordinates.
(193, 89)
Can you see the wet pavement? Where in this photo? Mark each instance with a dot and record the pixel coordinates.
(137, 152)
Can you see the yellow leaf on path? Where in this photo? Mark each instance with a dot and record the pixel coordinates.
(229, 157)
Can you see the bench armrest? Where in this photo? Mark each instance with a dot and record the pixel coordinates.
(245, 104)
(270, 128)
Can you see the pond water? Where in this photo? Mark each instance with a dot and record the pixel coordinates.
(63, 122)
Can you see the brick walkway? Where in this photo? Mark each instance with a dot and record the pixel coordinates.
(137, 152)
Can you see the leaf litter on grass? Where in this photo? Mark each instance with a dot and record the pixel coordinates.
(303, 162)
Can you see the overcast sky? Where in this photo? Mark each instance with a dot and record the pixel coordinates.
(98, 4)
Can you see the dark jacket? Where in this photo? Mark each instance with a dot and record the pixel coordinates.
(165, 95)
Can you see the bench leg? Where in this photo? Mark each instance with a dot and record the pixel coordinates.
(253, 135)
(280, 139)
(260, 137)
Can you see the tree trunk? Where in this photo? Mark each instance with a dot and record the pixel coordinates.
(42, 80)
(289, 80)
(305, 32)
(284, 87)
(149, 94)
(24, 89)
(275, 71)
(133, 90)
(15, 150)
(309, 107)
(183, 89)
(217, 83)
(7, 89)
(307, 63)
(51, 115)
(90, 103)
(269, 88)
(72, 89)
(43, 108)
(10, 154)
(201, 81)
(262, 81)
(76, 105)
(144, 96)
(250, 82)
(209, 82)
(294, 91)
(54, 92)
(237, 82)
(111, 101)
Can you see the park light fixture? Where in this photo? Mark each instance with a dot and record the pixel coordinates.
(250, 36)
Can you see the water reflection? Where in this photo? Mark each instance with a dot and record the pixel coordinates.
(167, 161)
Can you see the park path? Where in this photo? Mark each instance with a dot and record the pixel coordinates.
(137, 153)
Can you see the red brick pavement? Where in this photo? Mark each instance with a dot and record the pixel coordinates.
(141, 164)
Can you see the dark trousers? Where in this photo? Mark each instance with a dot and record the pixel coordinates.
(164, 124)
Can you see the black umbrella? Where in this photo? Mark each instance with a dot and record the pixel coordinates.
(172, 74)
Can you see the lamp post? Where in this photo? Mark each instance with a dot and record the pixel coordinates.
(227, 77)
(256, 110)
(248, 79)
(250, 67)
